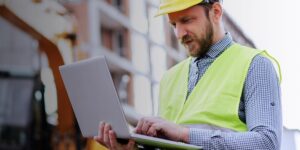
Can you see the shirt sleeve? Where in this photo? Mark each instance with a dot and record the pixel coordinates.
(261, 95)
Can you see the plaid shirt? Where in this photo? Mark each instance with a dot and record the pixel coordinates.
(260, 106)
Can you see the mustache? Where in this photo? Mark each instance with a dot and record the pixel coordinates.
(186, 38)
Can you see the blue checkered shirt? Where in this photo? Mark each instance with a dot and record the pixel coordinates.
(260, 106)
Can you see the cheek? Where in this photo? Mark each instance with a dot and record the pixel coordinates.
(201, 32)
(200, 28)
(198, 35)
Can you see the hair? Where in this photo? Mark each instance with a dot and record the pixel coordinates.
(207, 4)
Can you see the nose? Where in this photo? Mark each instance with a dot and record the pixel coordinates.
(180, 31)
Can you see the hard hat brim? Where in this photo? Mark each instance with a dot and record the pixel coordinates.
(166, 9)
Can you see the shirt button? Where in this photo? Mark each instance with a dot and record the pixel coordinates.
(272, 104)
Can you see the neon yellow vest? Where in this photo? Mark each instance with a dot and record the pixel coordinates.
(216, 97)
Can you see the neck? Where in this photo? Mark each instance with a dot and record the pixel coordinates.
(219, 34)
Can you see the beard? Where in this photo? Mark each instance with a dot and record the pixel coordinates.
(203, 43)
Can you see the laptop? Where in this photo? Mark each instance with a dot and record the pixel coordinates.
(94, 98)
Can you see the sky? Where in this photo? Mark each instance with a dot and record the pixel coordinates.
(274, 26)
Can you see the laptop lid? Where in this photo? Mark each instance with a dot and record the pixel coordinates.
(94, 99)
(91, 90)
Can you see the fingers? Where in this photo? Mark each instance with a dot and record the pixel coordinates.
(106, 141)
(99, 137)
(107, 137)
(101, 129)
(130, 144)
(152, 131)
(143, 125)
(138, 128)
(114, 145)
(103, 134)
(113, 140)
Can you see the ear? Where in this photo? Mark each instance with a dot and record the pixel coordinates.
(217, 12)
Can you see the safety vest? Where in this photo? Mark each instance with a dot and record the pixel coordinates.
(216, 97)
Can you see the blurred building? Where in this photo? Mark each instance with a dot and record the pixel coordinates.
(138, 46)
(139, 49)
(36, 37)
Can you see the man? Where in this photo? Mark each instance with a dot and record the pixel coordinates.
(225, 96)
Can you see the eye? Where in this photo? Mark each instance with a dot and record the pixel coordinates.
(186, 20)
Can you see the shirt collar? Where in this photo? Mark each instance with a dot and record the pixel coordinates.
(216, 49)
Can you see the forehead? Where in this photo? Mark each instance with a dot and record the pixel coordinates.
(192, 11)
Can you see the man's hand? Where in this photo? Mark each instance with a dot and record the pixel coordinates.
(108, 138)
(157, 127)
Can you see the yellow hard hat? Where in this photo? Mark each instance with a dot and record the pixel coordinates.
(169, 6)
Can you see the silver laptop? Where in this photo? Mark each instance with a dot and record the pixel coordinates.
(93, 97)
